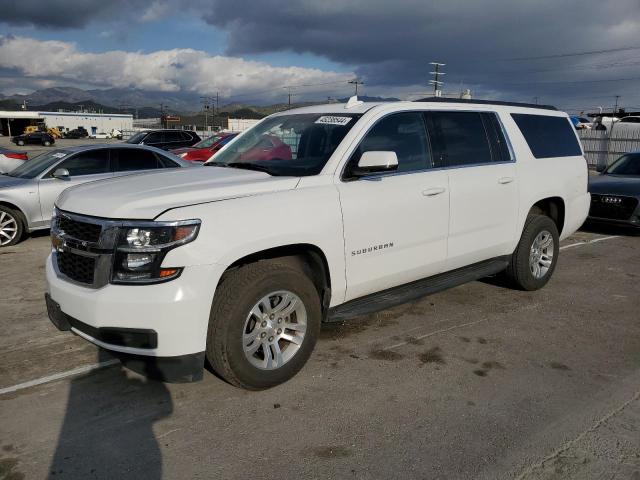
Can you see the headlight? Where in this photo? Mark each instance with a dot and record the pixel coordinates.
(141, 248)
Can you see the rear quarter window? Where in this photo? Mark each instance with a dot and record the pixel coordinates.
(548, 136)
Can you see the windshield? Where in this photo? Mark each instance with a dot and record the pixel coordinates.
(626, 165)
(34, 167)
(208, 141)
(137, 138)
(288, 145)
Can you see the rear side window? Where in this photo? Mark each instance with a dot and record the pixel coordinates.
(130, 159)
(458, 138)
(548, 136)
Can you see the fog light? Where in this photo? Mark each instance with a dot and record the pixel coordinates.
(137, 260)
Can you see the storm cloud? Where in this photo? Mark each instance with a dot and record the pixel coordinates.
(571, 52)
(486, 44)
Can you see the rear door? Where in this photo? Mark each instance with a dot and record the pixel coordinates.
(83, 167)
(483, 184)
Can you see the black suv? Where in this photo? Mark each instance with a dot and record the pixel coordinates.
(40, 138)
(165, 139)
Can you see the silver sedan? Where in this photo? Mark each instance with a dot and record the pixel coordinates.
(28, 193)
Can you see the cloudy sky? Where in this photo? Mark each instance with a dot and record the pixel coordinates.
(573, 53)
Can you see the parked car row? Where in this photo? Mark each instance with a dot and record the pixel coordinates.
(28, 192)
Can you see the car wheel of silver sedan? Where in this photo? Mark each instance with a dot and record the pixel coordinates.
(10, 227)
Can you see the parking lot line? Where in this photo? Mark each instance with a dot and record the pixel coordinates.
(58, 376)
(108, 363)
(595, 240)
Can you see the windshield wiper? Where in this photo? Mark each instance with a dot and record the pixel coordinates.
(250, 166)
(215, 164)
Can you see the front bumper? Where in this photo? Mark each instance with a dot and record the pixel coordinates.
(155, 324)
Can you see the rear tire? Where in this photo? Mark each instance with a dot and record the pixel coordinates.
(46, 143)
(11, 227)
(536, 255)
(253, 325)
(21, 143)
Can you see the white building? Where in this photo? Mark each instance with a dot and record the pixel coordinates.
(14, 122)
(240, 124)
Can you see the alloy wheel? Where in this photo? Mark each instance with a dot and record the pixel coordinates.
(8, 228)
(274, 330)
(541, 254)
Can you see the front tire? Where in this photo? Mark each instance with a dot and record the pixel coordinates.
(46, 143)
(21, 143)
(264, 322)
(11, 227)
(536, 255)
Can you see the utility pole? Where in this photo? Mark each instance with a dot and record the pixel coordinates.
(162, 115)
(289, 95)
(535, 100)
(216, 108)
(356, 82)
(205, 108)
(436, 78)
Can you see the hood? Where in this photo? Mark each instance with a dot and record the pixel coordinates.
(615, 185)
(7, 181)
(147, 195)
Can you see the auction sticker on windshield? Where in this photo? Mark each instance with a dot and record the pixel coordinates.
(331, 120)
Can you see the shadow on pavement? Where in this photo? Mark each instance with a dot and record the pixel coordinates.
(108, 427)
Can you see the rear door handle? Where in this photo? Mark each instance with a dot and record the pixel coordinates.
(430, 192)
(505, 180)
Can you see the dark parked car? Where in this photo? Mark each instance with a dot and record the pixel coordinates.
(39, 138)
(79, 132)
(165, 139)
(615, 194)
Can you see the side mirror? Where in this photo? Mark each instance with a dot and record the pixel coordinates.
(600, 168)
(61, 174)
(376, 162)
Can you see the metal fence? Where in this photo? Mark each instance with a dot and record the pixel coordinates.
(603, 147)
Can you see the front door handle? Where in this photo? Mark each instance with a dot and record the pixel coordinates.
(505, 180)
(430, 192)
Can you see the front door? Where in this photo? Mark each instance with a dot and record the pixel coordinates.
(395, 225)
(83, 167)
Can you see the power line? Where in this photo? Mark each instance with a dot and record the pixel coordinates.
(574, 54)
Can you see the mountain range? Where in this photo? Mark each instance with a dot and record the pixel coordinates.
(114, 100)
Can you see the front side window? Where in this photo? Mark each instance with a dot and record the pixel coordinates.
(92, 162)
(403, 133)
(288, 145)
(131, 159)
(137, 138)
(628, 164)
(34, 167)
(548, 136)
(458, 138)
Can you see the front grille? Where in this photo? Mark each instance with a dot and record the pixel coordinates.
(615, 207)
(76, 267)
(88, 232)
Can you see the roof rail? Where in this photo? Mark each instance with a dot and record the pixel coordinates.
(485, 102)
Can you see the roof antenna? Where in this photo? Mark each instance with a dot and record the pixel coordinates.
(353, 102)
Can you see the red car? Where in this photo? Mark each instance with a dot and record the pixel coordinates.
(202, 151)
(270, 147)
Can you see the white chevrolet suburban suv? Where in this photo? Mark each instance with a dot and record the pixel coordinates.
(314, 214)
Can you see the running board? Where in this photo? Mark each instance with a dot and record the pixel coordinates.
(415, 290)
